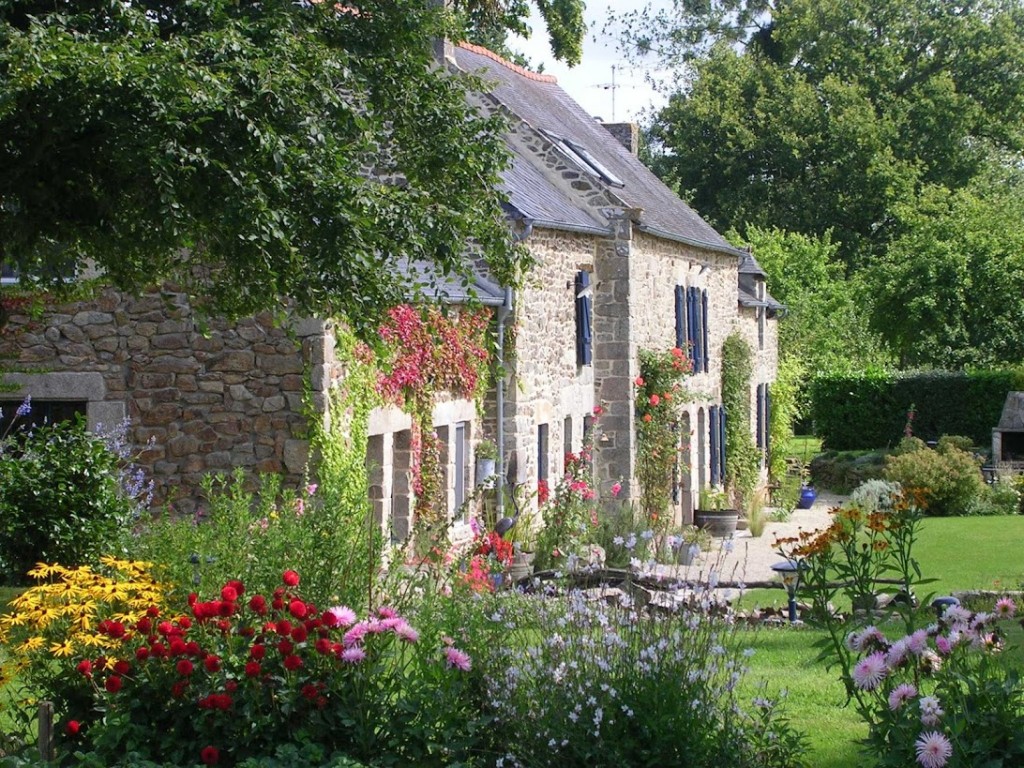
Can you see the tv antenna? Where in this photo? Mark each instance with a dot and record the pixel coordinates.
(613, 86)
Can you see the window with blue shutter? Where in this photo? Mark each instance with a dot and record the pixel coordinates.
(760, 417)
(681, 341)
(584, 306)
(767, 422)
(693, 328)
(713, 433)
(722, 416)
(704, 329)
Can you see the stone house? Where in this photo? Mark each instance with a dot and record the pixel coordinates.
(622, 264)
(616, 248)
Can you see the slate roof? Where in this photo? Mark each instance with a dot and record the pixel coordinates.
(540, 101)
(536, 197)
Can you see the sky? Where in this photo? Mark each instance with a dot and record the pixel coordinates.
(590, 82)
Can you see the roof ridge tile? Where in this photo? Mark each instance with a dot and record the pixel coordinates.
(479, 49)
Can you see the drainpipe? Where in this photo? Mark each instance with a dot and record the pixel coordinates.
(503, 312)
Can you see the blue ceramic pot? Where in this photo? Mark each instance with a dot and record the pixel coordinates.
(807, 497)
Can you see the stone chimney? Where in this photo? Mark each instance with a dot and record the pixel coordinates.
(627, 134)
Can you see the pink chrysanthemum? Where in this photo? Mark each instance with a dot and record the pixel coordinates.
(1005, 607)
(353, 655)
(355, 635)
(943, 645)
(343, 615)
(917, 643)
(933, 749)
(458, 659)
(900, 695)
(407, 633)
(897, 653)
(869, 671)
(387, 612)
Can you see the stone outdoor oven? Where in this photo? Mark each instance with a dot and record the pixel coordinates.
(1008, 436)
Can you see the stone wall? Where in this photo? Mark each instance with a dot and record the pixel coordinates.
(197, 402)
(546, 386)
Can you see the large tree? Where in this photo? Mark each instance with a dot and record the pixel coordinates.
(950, 291)
(253, 151)
(818, 115)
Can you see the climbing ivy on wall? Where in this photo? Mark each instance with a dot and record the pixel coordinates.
(742, 463)
(338, 439)
(428, 352)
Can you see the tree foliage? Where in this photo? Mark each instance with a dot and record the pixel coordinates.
(488, 23)
(818, 115)
(950, 291)
(252, 151)
(825, 326)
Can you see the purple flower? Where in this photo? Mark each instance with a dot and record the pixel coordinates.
(869, 671)
(353, 654)
(457, 659)
(933, 749)
(25, 408)
(900, 695)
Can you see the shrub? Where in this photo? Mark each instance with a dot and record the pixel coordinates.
(605, 684)
(876, 495)
(253, 535)
(841, 472)
(946, 481)
(1000, 498)
(63, 497)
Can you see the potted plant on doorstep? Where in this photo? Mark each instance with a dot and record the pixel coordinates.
(714, 514)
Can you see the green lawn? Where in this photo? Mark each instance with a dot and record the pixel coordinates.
(785, 659)
(971, 553)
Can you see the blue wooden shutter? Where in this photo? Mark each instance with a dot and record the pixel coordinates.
(584, 340)
(680, 318)
(704, 329)
(713, 434)
(722, 415)
(767, 423)
(693, 328)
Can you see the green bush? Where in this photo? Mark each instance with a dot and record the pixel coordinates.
(842, 471)
(63, 498)
(1000, 498)
(869, 410)
(947, 480)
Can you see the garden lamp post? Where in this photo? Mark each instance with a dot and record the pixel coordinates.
(789, 571)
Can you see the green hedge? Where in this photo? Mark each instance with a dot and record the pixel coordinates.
(859, 412)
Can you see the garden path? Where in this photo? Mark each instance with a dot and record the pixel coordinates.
(747, 559)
